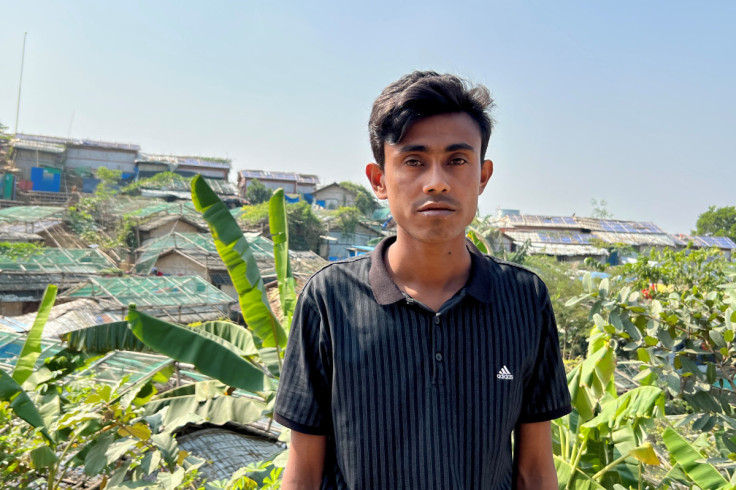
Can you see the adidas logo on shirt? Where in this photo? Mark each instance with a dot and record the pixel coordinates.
(504, 373)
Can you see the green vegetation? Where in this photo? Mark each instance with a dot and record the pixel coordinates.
(346, 218)
(162, 180)
(16, 251)
(718, 222)
(257, 192)
(651, 351)
(305, 227)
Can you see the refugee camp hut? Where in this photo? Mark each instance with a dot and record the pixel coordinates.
(333, 196)
(723, 243)
(556, 236)
(337, 242)
(532, 222)
(63, 318)
(180, 299)
(184, 254)
(290, 182)
(23, 279)
(641, 236)
(566, 246)
(34, 222)
(162, 218)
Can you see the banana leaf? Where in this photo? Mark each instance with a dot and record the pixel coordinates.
(21, 404)
(581, 480)
(106, 337)
(240, 337)
(210, 354)
(280, 235)
(644, 401)
(703, 475)
(478, 240)
(241, 265)
(32, 345)
(207, 401)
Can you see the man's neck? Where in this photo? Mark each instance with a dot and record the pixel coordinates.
(429, 272)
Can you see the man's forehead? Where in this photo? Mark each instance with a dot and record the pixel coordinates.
(455, 125)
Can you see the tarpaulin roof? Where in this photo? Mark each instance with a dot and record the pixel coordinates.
(182, 299)
(21, 214)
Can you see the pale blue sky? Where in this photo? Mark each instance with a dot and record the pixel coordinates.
(626, 101)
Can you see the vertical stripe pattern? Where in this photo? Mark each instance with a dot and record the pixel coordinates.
(416, 399)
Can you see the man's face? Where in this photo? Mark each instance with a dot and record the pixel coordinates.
(432, 178)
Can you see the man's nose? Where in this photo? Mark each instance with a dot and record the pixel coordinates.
(437, 181)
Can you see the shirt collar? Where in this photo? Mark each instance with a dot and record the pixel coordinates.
(386, 291)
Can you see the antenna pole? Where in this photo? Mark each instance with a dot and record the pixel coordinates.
(20, 83)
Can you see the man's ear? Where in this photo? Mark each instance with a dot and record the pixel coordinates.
(486, 170)
(376, 177)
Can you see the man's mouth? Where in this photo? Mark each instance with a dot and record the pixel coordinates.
(436, 209)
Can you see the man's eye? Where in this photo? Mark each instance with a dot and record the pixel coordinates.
(458, 161)
(413, 163)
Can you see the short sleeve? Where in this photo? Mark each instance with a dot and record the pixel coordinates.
(546, 395)
(302, 400)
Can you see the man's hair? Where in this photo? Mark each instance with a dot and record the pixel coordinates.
(422, 94)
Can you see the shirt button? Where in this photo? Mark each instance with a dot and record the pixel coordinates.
(437, 320)
(438, 356)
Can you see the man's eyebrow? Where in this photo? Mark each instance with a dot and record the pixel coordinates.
(459, 146)
(412, 148)
(422, 148)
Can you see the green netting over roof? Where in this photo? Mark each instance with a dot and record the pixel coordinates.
(152, 291)
(58, 260)
(30, 213)
(201, 246)
(176, 208)
(109, 369)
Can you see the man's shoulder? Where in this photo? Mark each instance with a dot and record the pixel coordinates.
(341, 273)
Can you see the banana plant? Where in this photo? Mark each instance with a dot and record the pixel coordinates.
(603, 442)
(241, 264)
(11, 389)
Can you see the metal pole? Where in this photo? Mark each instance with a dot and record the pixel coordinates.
(20, 83)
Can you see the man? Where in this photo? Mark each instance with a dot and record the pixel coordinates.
(412, 367)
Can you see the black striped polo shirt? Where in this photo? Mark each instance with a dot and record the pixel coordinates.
(413, 398)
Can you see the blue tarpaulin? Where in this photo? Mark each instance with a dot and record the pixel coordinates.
(45, 180)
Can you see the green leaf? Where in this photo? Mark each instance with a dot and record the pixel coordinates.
(645, 453)
(478, 240)
(673, 383)
(106, 337)
(702, 474)
(150, 462)
(21, 404)
(644, 401)
(210, 354)
(603, 287)
(280, 236)
(96, 459)
(580, 480)
(43, 457)
(171, 481)
(239, 336)
(218, 409)
(717, 338)
(118, 448)
(587, 282)
(32, 345)
(241, 265)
